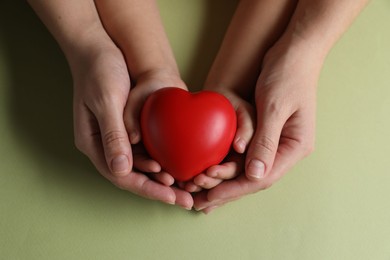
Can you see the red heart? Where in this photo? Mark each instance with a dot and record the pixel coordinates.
(187, 133)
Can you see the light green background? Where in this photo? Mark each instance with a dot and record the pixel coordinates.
(332, 205)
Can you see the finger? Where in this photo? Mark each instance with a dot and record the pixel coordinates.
(206, 182)
(144, 163)
(86, 128)
(192, 187)
(202, 202)
(225, 171)
(181, 184)
(208, 210)
(132, 114)
(141, 185)
(245, 127)
(114, 138)
(111, 133)
(134, 182)
(264, 144)
(183, 199)
(288, 154)
(217, 173)
(164, 178)
(212, 206)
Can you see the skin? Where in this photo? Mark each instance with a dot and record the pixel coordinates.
(101, 92)
(151, 65)
(285, 95)
(235, 71)
(268, 50)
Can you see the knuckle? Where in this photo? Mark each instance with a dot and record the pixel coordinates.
(264, 144)
(113, 137)
(276, 108)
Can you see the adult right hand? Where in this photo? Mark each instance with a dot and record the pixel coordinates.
(101, 91)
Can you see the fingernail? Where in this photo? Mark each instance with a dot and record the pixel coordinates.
(188, 208)
(120, 165)
(256, 169)
(213, 174)
(171, 200)
(200, 208)
(241, 145)
(134, 137)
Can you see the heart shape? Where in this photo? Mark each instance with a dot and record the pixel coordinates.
(187, 132)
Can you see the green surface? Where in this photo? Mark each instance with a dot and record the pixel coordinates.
(332, 205)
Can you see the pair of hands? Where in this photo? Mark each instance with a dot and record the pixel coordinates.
(271, 136)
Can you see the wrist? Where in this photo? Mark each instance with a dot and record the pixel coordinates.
(154, 66)
(86, 44)
(216, 84)
(294, 52)
(296, 44)
(163, 77)
(89, 52)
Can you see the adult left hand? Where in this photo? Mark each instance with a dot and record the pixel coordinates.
(285, 131)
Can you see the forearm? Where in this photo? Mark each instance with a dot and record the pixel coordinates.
(75, 25)
(135, 25)
(255, 26)
(317, 25)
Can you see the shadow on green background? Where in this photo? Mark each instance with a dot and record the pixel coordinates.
(40, 94)
(214, 26)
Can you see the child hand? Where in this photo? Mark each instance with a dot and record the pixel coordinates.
(233, 164)
(146, 84)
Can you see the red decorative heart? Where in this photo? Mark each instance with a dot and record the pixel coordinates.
(187, 133)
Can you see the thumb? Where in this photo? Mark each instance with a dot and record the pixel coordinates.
(263, 147)
(245, 127)
(115, 142)
(132, 114)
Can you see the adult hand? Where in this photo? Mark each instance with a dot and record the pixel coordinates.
(147, 83)
(101, 91)
(286, 104)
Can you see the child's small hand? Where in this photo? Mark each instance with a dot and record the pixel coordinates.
(143, 163)
(232, 166)
(152, 170)
(234, 163)
(146, 84)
